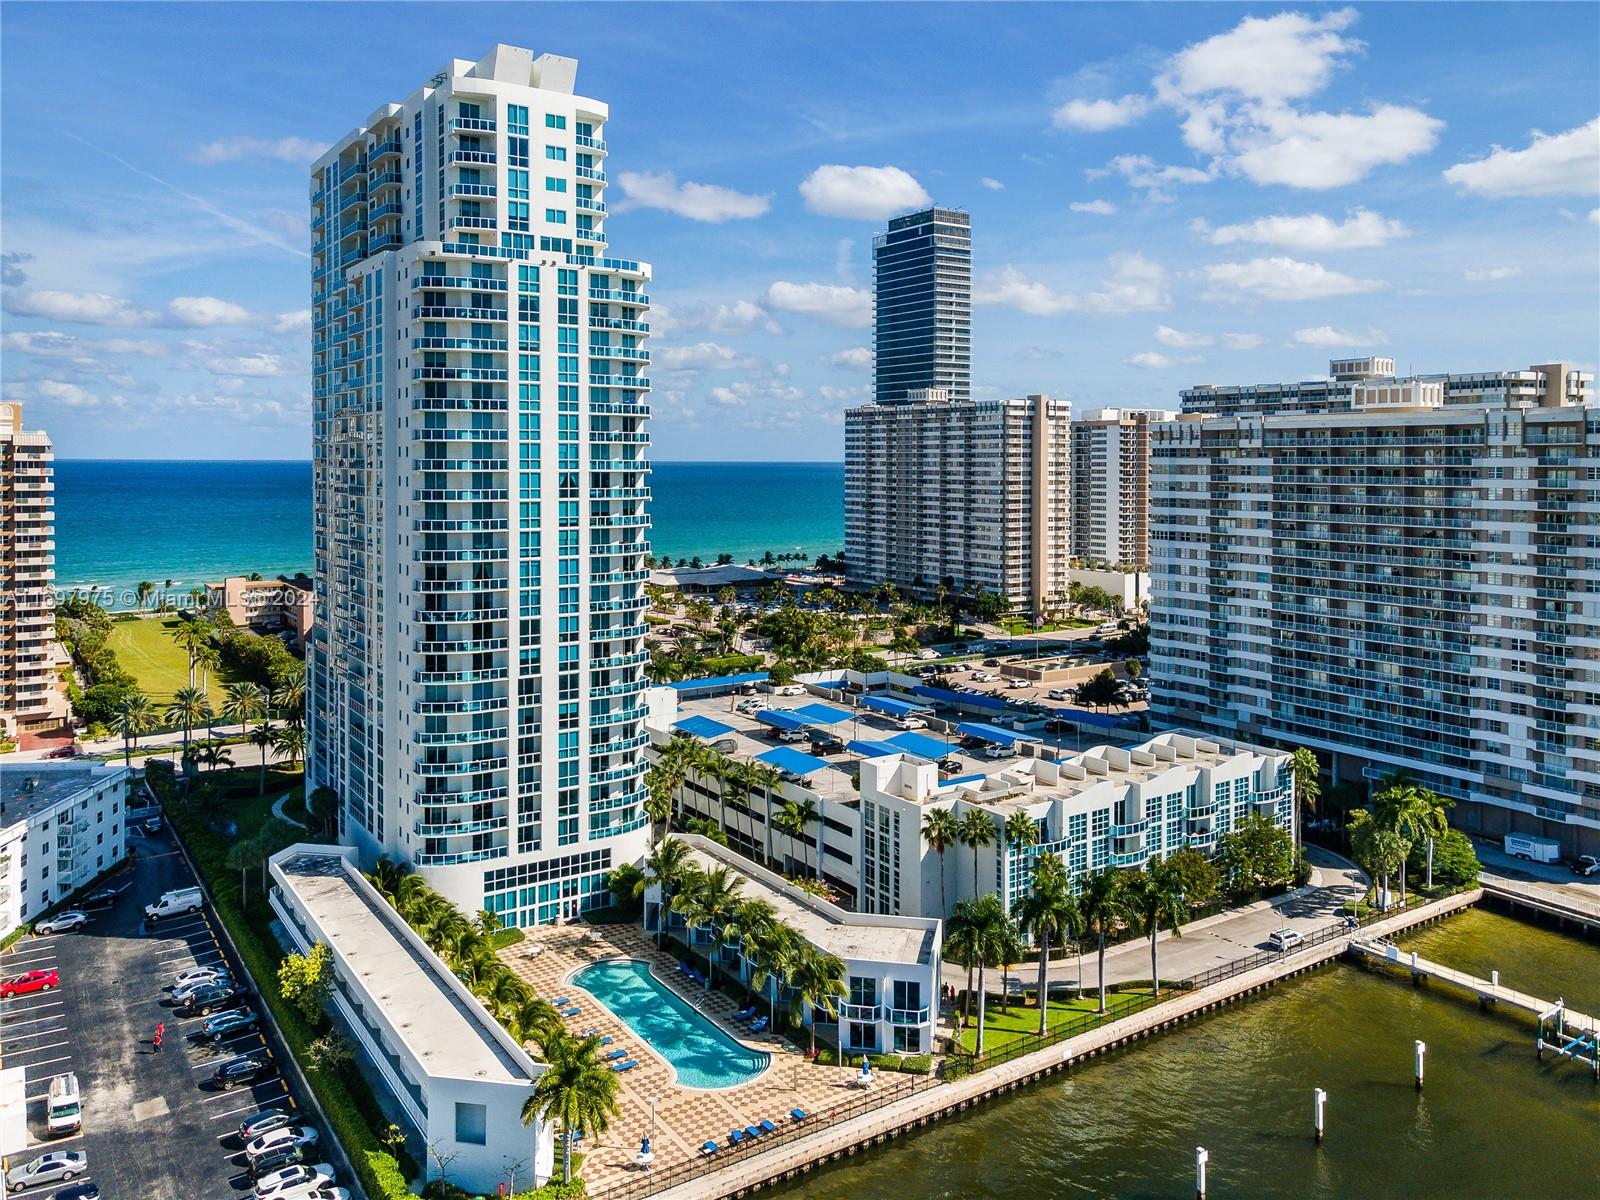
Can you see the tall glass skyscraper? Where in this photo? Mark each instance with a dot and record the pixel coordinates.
(922, 270)
(476, 671)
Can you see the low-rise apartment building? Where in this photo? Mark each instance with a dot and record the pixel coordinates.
(891, 962)
(61, 825)
(266, 605)
(459, 1077)
(1400, 573)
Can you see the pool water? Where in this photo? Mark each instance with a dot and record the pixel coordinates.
(700, 1052)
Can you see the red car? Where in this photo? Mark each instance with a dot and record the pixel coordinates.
(28, 981)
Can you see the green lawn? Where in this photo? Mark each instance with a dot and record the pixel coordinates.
(1017, 627)
(1002, 1026)
(147, 652)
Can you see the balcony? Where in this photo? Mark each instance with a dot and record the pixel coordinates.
(620, 297)
(460, 221)
(383, 150)
(588, 204)
(588, 173)
(474, 189)
(383, 241)
(452, 860)
(469, 157)
(584, 141)
(636, 382)
(457, 828)
(472, 125)
(381, 182)
(466, 766)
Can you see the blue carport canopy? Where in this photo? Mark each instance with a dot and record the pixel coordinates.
(787, 758)
(781, 718)
(871, 749)
(823, 714)
(919, 744)
(895, 708)
(702, 726)
(961, 699)
(992, 733)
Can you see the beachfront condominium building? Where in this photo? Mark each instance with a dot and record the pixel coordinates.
(1400, 573)
(922, 305)
(480, 469)
(1111, 487)
(965, 494)
(29, 698)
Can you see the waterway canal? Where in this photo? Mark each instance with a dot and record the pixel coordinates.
(1491, 1122)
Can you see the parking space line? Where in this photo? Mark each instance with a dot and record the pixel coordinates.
(38, 1033)
(28, 962)
(13, 1007)
(47, 1062)
(276, 1081)
(258, 1105)
(10, 1024)
(11, 1054)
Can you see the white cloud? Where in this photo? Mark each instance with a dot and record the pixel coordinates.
(1149, 358)
(1135, 284)
(1594, 216)
(204, 311)
(1100, 208)
(994, 185)
(292, 322)
(231, 149)
(705, 356)
(54, 344)
(1097, 116)
(857, 358)
(1359, 230)
(1489, 274)
(1179, 340)
(738, 317)
(1325, 150)
(87, 308)
(697, 201)
(1242, 341)
(828, 302)
(1282, 57)
(253, 366)
(1559, 164)
(845, 395)
(1280, 279)
(1143, 172)
(866, 193)
(1339, 339)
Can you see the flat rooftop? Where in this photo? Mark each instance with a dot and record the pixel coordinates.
(910, 940)
(440, 1029)
(27, 789)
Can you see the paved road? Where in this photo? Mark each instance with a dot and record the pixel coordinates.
(1214, 941)
(174, 740)
(153, 1126)
(1562, 885)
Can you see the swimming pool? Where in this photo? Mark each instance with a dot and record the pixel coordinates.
(701, 1053)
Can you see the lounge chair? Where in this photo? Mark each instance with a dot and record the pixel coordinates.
(709, 1149)
(615, 1054)
(750, 1131)
(768, 1127)
(591, 1032)
(745, 1014)
(624, 1066)
(736, 1137)
(607, 1040)
(571, 1012)
(560, 1000)
(798, 1114)
(759, 1024)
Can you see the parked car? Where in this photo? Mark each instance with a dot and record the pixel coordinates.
(927, 654)
(823, 742)
(789, 689)
(63, 922)
(791, 735)
(911, 723)
(1286, 939)
(70, 750)
(79, 1191)
(996, 750)
(1586, 864)
(264, 1122)
(949, 766)
(152, 825)
(29, 982)
(212, 997)
(292, 1179)
(272, 1160)
(104, 898)
(227, 1024)
(196, 975)
(750, 706)
(47, 1168)
(244, 1069)
(304, 1136)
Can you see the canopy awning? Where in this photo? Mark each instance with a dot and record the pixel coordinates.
(823, 714)
(787, 758)
(919, 744)
(965, 699)
(895, 708)
(781, 718)
(702, 726)
(871, 749)
(993, 733)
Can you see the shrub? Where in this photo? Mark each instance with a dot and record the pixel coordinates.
(1455, 862)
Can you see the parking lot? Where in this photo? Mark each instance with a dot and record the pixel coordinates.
(153, 1125)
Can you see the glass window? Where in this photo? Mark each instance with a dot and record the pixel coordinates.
(471, 1124)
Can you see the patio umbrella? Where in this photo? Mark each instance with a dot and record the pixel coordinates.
(646, 1156)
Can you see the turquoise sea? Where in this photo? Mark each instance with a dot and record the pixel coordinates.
(119, 522)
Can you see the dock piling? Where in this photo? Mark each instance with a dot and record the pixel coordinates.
(1319, 1101)
(1201, 1158)
(1421, 1051)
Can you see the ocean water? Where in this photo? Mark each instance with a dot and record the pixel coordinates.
(120, 522)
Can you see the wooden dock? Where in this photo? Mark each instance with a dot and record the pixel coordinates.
(1486, 990)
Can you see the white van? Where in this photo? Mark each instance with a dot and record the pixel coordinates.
(171, 904)
(65, 1111)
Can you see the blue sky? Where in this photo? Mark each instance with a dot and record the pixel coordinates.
(1160, 195)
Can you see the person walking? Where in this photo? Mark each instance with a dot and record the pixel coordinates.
(161, 1028)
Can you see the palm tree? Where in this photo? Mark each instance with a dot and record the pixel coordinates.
(747, 927)
(536, 1020)
(1100, 902)
(777, 953)
(941, 830)
(818, 982)
(1021, 832)
(386, 875)
(983, 934)
(207, 658)
(667, 866)
(1413, 812)
(242, 856)
(766, 777)
(213, 756)
(977, 830)
(1150, 897)
(661, 791)
(1381, 851)
(793, 819)
(189, 708)
(733, 785)
(289, 697)
(1049, 915)
(136, 716)
(578, 1091)
(290, 741)
(191, 635)
(144, 592)
(709, 903)
(1307, 775)
(245, 702)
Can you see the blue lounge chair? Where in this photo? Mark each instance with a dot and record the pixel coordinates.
(607, 1040)
(759, 1024)
(560, 1000)
(768, 1127)
(744, 1014)
(709, 1149)
(736, 1137)
(617, 1054)
(750, 1131)
(571, 1012)
(799, 1114)
(629, 1065)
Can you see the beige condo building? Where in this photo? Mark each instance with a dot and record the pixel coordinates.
(1111, 486)
(29, 699)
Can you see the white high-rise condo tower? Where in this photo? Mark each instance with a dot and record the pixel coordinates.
(480, 466)
(29, 698)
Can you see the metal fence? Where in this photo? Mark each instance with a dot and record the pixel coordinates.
(652, 1180)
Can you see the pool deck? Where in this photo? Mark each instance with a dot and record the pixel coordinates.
(685, 1117)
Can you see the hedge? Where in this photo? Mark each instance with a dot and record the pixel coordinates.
(911, 1064)
(344, 1094)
